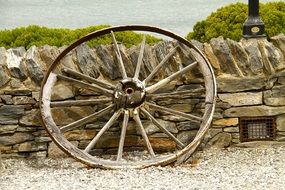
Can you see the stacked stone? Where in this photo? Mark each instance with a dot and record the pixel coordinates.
(250, 76)
(21, 73)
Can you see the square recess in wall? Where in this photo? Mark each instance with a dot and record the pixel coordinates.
(257, 128)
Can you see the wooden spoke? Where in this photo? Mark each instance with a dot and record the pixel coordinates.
(177, 94)
(103, 130)
(125, 99)
(165, 81)
(143, 133)
(160, 65)
(87, 119)
(163, 129)
(123, 135)
(89, 79)
(93, 87)
(140, 59)
(119, 56)
(174, 112)
(89, 102)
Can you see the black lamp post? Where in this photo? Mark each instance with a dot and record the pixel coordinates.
(253, 26)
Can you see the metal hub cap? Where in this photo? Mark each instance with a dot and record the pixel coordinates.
(129, 93)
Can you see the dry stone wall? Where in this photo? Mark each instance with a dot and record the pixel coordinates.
(250, 79)
(250, 76)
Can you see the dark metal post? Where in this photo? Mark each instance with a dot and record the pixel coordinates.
(253, 26)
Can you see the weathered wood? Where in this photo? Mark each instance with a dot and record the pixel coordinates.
(163, 129)
(205, 125)
(210, 102)
(160, 84)
(210, 82)
(88, 86)
(103, 130)
(177, 95)
(123, 135)
(47, 92)
(140, 59)
(160, 65)
(69, 103)
(163, 159)
(174, 112)
(101, 83)
(143, 133)
(87, 119)
(119, 56)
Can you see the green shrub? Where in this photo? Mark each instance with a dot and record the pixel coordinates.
(228, 21)
(37, 35)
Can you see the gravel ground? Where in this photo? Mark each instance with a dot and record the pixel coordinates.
(233, 168)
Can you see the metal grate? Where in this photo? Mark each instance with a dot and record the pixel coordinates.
(257, 128)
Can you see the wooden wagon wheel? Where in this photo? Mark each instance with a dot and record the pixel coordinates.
(130, 99)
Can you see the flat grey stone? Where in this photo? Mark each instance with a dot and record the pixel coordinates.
(86, 60)
(16, 138)
(228, 83)
(255, 57)
(254, 111)
(280, 123)
(15, 63)
(34, 68)
(225, 57)
(4, 77)
(279, 42)
(240, 56)
(5, 129)
(9, 114)
(31, 118)
(106, 63)
(242, 99)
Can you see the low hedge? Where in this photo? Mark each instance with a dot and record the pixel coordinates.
(228, 21)
(37, 35)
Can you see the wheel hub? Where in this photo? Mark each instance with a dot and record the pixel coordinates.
(129, 93)
(126, 99)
